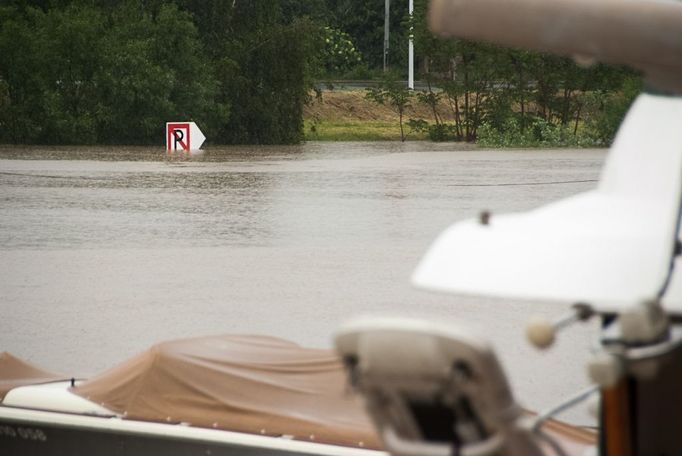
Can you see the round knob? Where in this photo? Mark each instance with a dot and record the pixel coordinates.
(605, 370)
(540, 332)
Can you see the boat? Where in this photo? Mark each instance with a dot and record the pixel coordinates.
(209, 395)
(217, 395)
(430, 389)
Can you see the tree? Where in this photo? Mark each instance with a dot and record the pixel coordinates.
(469, 75)
(70, 44)
(23, 112)
(363, 20)
(263, 71)
(338, 53)
(153, 71)
(315, 10)
(394, 93)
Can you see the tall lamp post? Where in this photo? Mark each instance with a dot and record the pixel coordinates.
(410, 57)
(387, 14)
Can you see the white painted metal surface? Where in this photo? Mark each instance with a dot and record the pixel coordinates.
(53, 396)
(609, 247)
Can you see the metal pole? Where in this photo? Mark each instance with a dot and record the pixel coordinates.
(387, 14)
(410, 59)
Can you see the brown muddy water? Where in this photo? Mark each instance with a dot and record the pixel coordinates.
(105, 251)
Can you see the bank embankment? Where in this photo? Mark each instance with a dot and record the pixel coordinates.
(346, 115)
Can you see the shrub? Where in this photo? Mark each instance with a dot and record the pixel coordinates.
(539, 133)
(339, 55)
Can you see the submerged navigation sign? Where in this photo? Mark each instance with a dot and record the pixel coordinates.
(184, 136)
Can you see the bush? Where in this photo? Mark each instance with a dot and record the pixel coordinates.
(339, 55)
(439, 132)
(539, 133)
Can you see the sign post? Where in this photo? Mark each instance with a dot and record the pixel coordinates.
(184, 136)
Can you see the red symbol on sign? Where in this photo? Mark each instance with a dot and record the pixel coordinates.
(177, 136)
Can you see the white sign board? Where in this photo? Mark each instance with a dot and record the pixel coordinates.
(184, 136)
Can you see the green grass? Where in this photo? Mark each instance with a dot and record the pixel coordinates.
(357, 131)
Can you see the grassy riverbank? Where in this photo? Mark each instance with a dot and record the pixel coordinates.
(348, 116)
(353, 130)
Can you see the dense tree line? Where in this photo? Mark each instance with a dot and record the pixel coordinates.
(114, 71)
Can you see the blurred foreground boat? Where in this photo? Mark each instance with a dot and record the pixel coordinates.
(223, 395)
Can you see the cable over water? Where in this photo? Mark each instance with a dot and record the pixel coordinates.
(508, 184)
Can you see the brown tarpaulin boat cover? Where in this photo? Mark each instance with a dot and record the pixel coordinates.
(253, 384)
(15, 372)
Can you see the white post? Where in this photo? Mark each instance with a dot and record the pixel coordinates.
(387, 14)
(410, 59)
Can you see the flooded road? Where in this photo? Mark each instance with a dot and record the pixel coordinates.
(106, 251)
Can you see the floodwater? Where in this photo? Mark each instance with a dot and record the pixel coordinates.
(106, 251)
